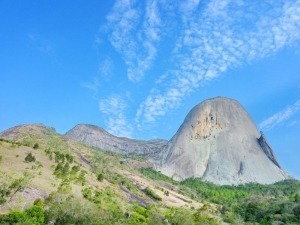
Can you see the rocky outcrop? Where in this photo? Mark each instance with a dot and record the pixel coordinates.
(218, 142)
(267, 149)
(97, 137)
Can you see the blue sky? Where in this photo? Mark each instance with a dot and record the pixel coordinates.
(136, 68)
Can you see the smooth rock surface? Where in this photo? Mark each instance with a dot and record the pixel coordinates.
(218, 142)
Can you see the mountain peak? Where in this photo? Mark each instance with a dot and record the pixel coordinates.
(219, 142)
(97, 137)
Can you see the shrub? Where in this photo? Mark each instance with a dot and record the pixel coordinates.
(61, 170)
(29, 158)
(36, 146)
(81, 178)
(33, 215)
(87, 193)
(152, 194)
(181, 216)
(69, 158)
(100, 177)
(2, 200)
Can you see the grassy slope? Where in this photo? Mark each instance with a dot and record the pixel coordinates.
(121, 189)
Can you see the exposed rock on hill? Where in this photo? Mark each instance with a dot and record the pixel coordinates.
(97, 137)
(267, 149)
(218, 142)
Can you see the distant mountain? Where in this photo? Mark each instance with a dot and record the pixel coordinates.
(217, 142)
(97, 137)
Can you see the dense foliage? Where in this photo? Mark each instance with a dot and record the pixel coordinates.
(266, 204)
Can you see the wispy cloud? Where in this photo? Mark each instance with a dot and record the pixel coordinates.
(197, 40)
(104, 74)
(280, 117)
(42, 45)
(116, 123)
(218, 39)
(93, 85)
(106, 68)
(134, 31)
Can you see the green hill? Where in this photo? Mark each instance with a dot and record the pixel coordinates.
(47, 178)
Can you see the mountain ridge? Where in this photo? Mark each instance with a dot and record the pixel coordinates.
(222, 129)
(67, 182)
(217, 142)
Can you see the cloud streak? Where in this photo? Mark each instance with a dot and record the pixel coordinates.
(134, 32)
(93, 85)
(280, 117)
(116, 123)
(197, 41)
(42, 45)
(217, 40)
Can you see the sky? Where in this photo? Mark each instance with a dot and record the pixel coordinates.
(137, 67)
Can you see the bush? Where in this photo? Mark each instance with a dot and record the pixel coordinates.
(33, 215)
(36, 146)
(87, 193)
(100, 177)
(2, 200)
(69, 158)
(29, 158)
(152, 194)
(181, 216)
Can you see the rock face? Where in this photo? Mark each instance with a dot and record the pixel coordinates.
(218, 142)
(97, 137)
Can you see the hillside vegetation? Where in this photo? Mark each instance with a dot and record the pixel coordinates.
(48, 179)
(277, 203)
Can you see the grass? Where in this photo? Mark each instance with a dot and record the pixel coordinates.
(69, 171)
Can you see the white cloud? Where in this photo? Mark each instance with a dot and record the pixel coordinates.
(135, 32)
(93, 85)
(106, 68)
(116, 123)
(280, 117)
(112, 105)
(105, 72)
(204, 39)
(42, 45)
(216, 40)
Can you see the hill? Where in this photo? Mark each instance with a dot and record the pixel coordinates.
(62, 172)
(47, 178)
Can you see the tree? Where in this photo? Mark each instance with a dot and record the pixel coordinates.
(36, 146)
(29, 158)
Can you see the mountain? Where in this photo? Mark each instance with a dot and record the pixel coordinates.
(97, 137)
(48, 178)
(218, 142)
(75, 182)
